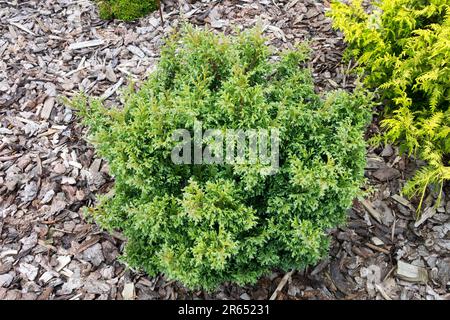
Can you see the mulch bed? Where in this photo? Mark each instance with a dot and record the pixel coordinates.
(48, 172)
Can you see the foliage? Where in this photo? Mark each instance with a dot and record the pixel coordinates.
(207, 224)
(403, 47)
(127, 10)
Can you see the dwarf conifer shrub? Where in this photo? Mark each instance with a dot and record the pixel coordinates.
(126, 10)
(403, 48)
(204, 224)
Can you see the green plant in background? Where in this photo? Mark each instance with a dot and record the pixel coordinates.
(402, 47)
(207, 224)
(126, 10)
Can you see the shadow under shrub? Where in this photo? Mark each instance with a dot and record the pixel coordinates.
(207, 224)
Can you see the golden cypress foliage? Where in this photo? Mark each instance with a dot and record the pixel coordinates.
(402, 47)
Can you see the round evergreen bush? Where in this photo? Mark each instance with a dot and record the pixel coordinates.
(205, 224)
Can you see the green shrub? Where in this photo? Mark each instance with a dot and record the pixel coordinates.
(126, 10)
(403, 47)
(207, 224)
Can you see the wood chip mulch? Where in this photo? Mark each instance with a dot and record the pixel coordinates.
(48, 172)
